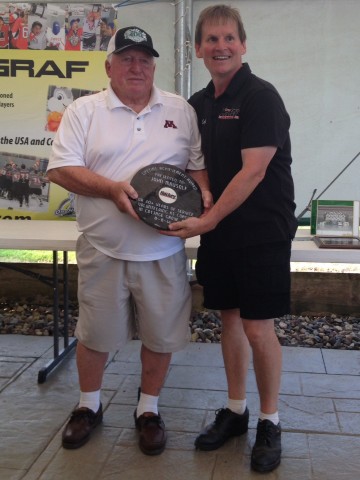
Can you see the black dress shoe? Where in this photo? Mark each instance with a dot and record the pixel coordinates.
(152, 439)
(227, 424)
(266, 453)
(80, 426)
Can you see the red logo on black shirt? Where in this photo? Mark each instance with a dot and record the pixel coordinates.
(229, 114)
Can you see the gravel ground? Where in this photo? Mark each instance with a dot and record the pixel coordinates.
(316, 330)
(311, 330)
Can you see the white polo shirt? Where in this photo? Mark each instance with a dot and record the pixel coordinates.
(102, 134)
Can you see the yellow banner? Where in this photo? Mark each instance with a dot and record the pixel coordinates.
(38, 80)
(35, 88)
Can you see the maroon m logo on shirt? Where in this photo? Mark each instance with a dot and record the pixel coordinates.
(169, 124)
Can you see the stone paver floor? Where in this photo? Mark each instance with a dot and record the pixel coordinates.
(319, 411)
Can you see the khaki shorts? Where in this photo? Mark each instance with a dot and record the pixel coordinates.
(110, 291)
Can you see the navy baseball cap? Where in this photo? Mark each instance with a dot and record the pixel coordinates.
(131, 37)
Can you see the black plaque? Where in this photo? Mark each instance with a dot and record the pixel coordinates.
(166, 195)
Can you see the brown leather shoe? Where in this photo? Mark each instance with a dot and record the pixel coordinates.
(80, 426)
(153, 436)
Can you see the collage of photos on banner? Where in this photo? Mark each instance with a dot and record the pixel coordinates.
(50, 26)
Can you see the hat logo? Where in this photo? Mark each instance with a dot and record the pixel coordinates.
(135, 35)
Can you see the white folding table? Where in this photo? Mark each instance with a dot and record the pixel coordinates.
(57, 236)
(61, 236)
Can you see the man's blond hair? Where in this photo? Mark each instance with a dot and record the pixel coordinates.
(219, 14)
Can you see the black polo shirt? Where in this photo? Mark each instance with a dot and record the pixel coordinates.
(249, 114)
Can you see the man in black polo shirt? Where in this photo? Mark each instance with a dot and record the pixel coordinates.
(244, 256)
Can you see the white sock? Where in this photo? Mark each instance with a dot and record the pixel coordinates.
(273, 417)
(147, 403)
(237, 406)
(90, 400)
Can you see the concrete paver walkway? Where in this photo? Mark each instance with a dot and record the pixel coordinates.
(319, 412)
